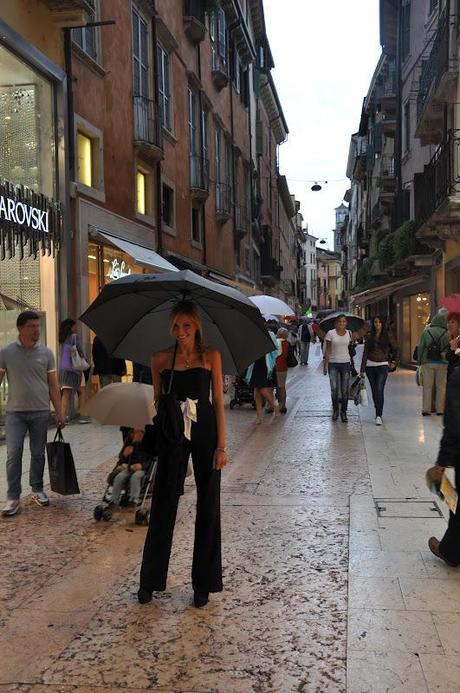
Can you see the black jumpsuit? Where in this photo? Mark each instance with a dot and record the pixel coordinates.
(193, 383)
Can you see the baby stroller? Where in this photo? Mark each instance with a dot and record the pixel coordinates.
(104, 510)
(243, 394)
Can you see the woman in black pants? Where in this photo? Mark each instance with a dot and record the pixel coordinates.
(191, 371)
(380, 349)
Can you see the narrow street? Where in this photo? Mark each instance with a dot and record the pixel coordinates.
(310, 569)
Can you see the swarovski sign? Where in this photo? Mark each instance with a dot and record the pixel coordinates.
(29, 222)
(23, 214)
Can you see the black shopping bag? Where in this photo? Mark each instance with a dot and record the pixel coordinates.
(61, 467)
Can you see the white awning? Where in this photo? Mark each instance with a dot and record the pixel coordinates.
(143, 256)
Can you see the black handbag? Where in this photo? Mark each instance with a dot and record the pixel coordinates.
(61, 467)
(291, 360)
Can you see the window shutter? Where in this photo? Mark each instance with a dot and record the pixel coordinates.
(259, 139)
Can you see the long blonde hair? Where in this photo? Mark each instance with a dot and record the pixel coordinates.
(190, 309)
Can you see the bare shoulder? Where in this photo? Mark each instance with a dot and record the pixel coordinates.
(160, 359)
(213, 356)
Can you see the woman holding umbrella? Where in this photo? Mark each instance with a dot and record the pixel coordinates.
(337, 361)
(189, 370)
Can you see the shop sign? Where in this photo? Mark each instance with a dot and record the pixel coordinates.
(119, 270)
(27, 219)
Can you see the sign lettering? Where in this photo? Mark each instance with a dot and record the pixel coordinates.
(119, 270)
(17, 212)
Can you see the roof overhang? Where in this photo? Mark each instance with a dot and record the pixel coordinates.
(146, 257)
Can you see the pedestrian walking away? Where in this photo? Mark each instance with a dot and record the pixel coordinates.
(337, 363)
(307, 336)
(30, 368)
(71, 380)
(108, 368)
(431, 353)
(380, 352)
(448, 548)
(187, 371)
(282, 367)
(261, 375)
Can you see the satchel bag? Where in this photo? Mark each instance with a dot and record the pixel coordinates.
(79, 363)
(363, 398)
(291, 360)
(61, 467)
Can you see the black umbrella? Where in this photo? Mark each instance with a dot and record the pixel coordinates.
(354, 323)
(131, 317)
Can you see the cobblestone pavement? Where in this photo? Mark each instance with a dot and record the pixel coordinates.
(71, 622)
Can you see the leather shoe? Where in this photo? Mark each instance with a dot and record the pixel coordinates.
(144, 596)
(433, 545)
(200, 599)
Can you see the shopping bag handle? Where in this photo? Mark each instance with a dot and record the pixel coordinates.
(58, 435)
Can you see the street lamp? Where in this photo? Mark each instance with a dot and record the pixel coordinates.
(316, 187)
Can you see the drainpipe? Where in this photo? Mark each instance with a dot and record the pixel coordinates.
(200, 102)
(72, 299)
(236, 243)
(398, 138)
(158, 124)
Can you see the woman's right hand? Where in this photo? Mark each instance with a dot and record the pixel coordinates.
(454, 343)
(325, 369)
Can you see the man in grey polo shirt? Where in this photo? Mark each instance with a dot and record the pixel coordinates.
(32, 381)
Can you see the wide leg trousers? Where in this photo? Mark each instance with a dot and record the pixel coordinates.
(449, 545)
(207, 560)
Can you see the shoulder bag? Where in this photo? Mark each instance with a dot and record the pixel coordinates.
(79, 363)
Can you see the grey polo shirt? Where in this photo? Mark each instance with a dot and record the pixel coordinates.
(27, 372)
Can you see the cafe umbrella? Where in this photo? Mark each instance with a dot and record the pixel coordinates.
(131, 317)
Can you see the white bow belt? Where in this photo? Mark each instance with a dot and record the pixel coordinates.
(189, 413)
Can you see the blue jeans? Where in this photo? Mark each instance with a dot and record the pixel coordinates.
(304, 351)
(339, 378)
(18, 424)
(377, 376)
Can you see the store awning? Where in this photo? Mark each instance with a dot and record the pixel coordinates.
(143, 256)
(379, 292)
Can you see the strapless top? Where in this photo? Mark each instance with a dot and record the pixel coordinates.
(192, 383)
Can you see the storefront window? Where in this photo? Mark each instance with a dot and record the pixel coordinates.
(27, 158)
(419, 317)
(116, 264)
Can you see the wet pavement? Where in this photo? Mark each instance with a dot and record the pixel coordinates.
(320, 592)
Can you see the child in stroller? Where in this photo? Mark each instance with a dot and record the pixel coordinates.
(131, 478)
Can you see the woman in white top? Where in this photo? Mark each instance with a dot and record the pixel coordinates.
(337, 362)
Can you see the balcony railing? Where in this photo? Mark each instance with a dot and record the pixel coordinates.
(386, 87)
(219, 68)
(439, 180)
(223, 200)
(147, 126)
(199, 175)
(387, 166)
(194, 20)
(270, 268)
(434, 66)
(241, 220)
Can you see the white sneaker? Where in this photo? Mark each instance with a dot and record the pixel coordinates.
(378, 421)
(11, 508)
(41, 498)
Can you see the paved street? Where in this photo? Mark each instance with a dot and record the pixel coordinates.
(321, 591)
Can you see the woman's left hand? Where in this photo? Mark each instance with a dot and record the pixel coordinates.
(220, 459)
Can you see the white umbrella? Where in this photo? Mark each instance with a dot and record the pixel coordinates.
(271, 304)
(123, 404)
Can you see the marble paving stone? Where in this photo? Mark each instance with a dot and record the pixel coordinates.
(387, 630)
(442, 673)
(431, 595)
(388, 564)
(364, 540)
(448, 627)
(407, 534)
(437, 568)
(374, 593)
(379, 672)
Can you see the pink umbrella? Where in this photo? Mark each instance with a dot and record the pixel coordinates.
(452, 303)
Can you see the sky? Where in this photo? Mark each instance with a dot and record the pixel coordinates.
(325, 54)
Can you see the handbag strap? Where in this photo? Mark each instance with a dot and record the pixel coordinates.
(58, 437)
(172, 369)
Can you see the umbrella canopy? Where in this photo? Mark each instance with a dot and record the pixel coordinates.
(354, 323)
(131, 317)
(123, 404)
(451, 303)
(271, 304)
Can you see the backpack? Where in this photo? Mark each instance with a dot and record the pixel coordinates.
(306, 334)
(434, 351)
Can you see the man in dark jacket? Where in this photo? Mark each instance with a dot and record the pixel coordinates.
(108, 369)
(448, 549)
